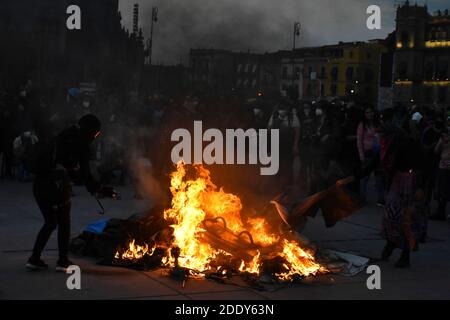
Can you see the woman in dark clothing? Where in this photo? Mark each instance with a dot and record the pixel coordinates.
(429, 140)
(402, 164)
(327, 143)
(369, 151)
(286, 121)
(349, 158)
(307, 134)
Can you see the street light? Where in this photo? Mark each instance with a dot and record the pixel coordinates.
(150, 42)
(297, 29)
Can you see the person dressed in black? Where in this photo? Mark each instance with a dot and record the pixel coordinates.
(404, 220)
(285, 119)
(430, 139)
(308, 127)
(55, 166)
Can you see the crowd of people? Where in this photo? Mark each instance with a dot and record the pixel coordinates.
(405, 149)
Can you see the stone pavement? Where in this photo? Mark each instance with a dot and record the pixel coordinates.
(427, 278)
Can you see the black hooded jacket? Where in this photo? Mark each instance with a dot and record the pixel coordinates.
(66, 157)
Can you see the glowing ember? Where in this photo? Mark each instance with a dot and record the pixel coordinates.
(260, 234)
(134, 252)
(199, 247)
(299, 261)
(253, 266)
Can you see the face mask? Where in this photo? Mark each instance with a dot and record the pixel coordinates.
(282, 113)
(319, 112)
(86, 104)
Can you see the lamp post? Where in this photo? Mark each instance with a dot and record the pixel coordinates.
(150, 42)
(297, 28)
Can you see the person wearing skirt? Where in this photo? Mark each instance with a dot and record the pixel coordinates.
(404, 220)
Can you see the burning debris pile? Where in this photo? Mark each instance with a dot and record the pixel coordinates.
(205, 234)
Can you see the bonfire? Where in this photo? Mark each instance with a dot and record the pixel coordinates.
(210, 235)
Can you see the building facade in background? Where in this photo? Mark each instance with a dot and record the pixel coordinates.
(353, 69)
(422, 56)
(36, 45)
(345, 69)
(210, 70)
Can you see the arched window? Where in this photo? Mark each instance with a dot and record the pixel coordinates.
(349, 73)
(402, 70)
(369, 75)
(284, 72)
(433, 34)
(442, 72)
(333, 89)
(441, 34)
(334, 73)
(309, 89)
(429, 70)
(404, 38)
(442, 94)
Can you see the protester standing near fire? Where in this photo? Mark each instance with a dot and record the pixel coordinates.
(308, 129)
(369, 152)
(286, 121)
(56, 165)
(327, 141)
(349, 117)
(402, 162)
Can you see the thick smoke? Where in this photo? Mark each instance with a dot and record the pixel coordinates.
(255, 25)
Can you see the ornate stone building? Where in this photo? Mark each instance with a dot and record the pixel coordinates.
(37, 45)
(422, 56)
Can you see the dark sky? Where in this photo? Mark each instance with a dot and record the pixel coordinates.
(256, 25)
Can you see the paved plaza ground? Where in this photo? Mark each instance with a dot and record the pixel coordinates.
(427, 278)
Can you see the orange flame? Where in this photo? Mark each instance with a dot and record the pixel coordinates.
(195, 199)
(260, 234)
(134, 252)
(300, 261)
(253, 266)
